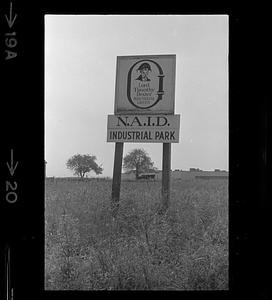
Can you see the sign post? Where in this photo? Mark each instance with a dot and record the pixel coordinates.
(117, 169)
(166, 174)
(144, 112)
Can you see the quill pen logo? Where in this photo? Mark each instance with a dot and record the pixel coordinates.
(145, 84)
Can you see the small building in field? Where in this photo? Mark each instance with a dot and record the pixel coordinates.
(131, 175)
(195, 170)
(147, 176)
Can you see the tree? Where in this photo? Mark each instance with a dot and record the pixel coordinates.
(83, 164)
(139, 161)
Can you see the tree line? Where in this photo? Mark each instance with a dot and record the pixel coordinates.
(137, 160)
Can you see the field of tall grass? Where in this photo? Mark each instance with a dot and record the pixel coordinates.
(87, 248)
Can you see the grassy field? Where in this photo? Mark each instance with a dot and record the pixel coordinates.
(138, 249)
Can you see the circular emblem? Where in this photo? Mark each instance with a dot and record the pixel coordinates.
(145, 84)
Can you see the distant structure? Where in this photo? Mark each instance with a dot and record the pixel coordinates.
(147, 176)
(195, 170)
(192, 173)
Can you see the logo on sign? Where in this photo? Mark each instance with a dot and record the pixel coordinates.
(145, 84)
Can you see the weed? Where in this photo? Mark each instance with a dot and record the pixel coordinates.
(137, 249)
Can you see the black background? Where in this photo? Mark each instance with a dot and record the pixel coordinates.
(22, 129)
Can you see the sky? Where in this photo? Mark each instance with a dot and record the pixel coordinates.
(80, 71)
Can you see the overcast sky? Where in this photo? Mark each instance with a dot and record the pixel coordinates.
(80, 69)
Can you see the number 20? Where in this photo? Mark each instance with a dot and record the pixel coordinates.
(11, 197)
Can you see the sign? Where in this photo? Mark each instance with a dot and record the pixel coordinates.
(145, 84)
(143, 128)
(144, 113)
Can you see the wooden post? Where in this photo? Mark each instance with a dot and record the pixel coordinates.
(116, 180)
(166, 169)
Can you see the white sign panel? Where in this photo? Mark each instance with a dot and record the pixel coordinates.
(145, 84)
(143, 128)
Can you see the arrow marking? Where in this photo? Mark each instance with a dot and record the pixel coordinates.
(10, 20)
(10, 167)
